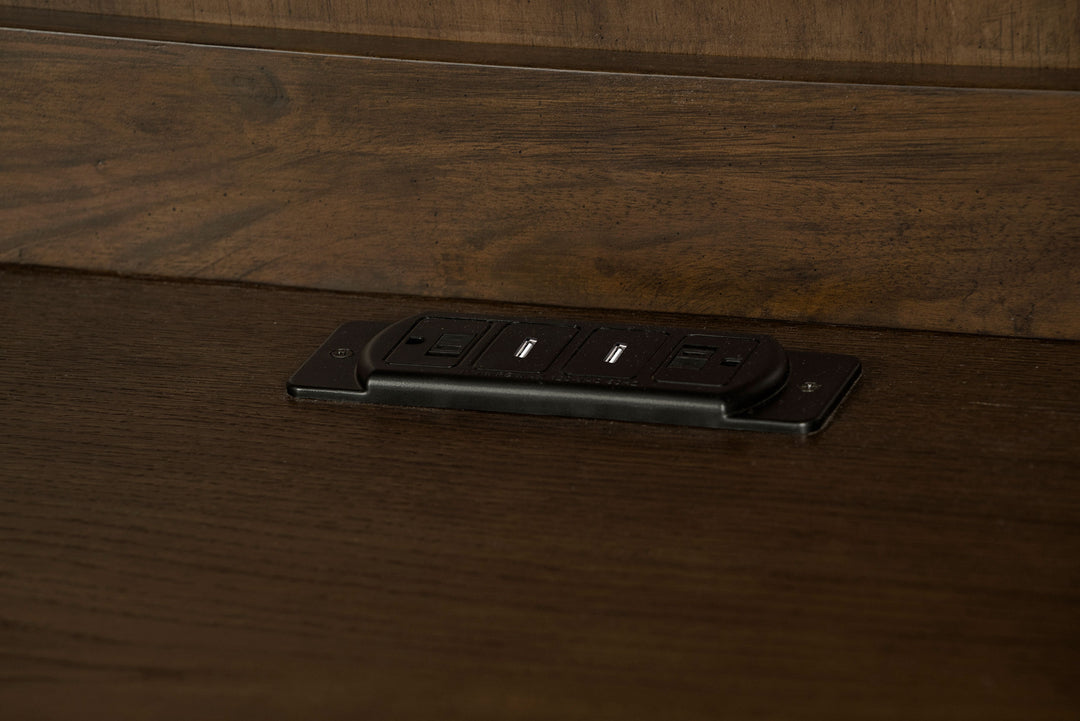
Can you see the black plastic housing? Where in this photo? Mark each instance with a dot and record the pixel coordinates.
(555, 367)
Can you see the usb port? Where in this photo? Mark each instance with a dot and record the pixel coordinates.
(615, 353)
(525, 348)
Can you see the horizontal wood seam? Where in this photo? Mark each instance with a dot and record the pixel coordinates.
(550, 310)
(314, 41)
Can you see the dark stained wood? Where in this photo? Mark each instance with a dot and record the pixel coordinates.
(906, 207)
(566, 58)
(178, 539)
(995, 33)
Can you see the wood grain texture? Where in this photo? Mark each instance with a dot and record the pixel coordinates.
(904, 207)
(179, 539)
(1034, 34)
(562, 58)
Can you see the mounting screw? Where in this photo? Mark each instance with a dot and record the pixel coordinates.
(341, 353)
(809, 386)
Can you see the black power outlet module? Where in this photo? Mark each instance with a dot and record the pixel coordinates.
(584, 370)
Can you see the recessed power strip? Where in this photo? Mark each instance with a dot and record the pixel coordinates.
(647, 374)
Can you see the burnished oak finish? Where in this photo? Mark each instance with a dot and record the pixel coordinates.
(179, 538)
(937, 208)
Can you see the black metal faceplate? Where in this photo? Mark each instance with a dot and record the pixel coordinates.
(628, 373)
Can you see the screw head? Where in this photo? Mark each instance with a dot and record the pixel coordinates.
(342, 352)
(809, 386)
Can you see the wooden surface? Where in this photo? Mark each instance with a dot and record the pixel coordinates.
(929, 208)
(340, 42)
(1033, 34)
(179, 539)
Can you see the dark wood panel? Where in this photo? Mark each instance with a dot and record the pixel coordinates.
(1034, 34)
(566, 58)
(179, 539)
(909, 207)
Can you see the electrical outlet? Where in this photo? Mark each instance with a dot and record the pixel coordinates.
(633, 373)
(437, 342)
(706, 360)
